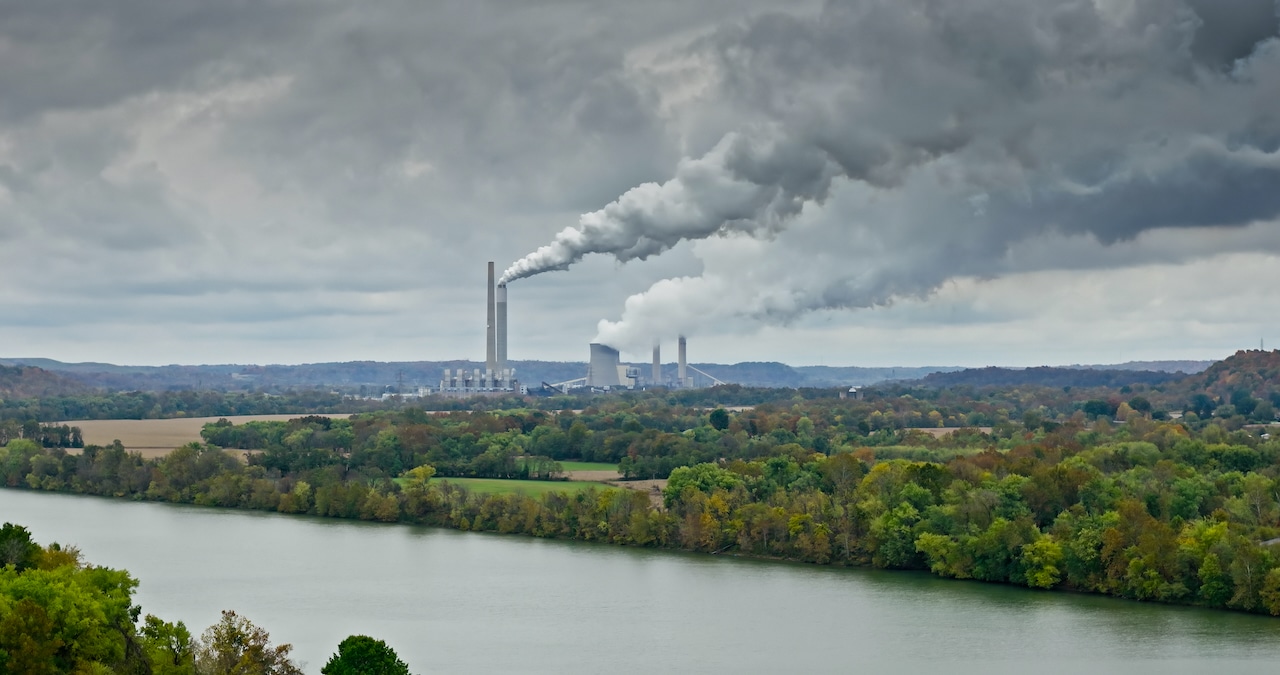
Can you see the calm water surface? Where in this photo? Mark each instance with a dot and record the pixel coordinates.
(455, 602)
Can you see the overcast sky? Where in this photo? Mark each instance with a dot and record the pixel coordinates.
(874, 182)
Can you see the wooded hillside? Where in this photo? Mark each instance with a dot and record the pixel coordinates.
(28, 382)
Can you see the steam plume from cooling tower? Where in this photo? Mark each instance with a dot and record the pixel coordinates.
(885, 147)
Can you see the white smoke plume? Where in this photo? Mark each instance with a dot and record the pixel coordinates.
(886, 146)
(705, 197)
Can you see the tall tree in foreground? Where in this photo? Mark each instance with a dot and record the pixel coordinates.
(363, 655)
(234, 646)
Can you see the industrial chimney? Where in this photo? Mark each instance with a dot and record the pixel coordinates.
(657, 364)
(491, 353)
(682, 367)
(501, 328)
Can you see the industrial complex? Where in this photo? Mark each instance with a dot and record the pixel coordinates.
(604, 369)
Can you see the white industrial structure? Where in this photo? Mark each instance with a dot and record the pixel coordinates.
(500, 328)
(656, 377)
(496, 376)
(602, 369)
(682, 365)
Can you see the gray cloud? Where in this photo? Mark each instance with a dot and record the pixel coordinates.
(1230, 30)
(186, 148)
(984, 123)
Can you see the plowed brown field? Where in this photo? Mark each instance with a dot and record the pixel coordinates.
(154, 438)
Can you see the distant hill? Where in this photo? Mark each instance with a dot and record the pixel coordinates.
(1046, 376)
(28, 381)
(351, 376)
(1158, 366)
(774, 374)
(373, 376)
(819, 376)
(376, 376)
(1251, 371)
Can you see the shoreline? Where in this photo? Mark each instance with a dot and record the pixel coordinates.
(737, 555)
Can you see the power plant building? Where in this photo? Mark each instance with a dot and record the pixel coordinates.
(496, 377)
(604, 370)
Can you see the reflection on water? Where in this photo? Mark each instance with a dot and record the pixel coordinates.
(462, 602)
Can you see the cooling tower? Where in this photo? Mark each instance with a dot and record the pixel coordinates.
(500, 327)
(602, 371)
(491, 349)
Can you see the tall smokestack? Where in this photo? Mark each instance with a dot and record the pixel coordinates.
(501, 327)
(491, 350)
(682, 367)
(657, 364)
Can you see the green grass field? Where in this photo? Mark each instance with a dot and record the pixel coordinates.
(532, 488)
(588, 466)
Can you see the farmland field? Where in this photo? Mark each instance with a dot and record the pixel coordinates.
(588, 466)
(532, 488)
(154, 438)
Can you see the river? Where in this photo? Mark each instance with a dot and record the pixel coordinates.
(457, 602)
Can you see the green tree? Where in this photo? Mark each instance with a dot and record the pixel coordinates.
(87, 623)
(27, 640)
(363, 655)
(234, 646)
(168, 646)
(1042, 559)
(719, 419)
(418, 478)
(704, 477)
(17, 548)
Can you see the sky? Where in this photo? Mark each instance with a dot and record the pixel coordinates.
(865, 182)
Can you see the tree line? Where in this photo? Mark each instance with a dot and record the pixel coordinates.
(47, 435)
(138, 405)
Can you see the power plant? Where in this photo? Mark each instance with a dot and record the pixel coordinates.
(496, 378)
(604, 369)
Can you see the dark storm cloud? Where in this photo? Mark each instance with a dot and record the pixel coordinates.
(1231, 29)
(1034, 118)
(1055, 92)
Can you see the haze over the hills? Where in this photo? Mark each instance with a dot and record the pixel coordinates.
(374, 376)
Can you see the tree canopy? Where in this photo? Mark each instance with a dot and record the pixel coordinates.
(363, 655)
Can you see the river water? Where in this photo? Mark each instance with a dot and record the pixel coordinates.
(456, 602)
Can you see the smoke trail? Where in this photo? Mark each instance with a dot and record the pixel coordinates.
(742, 184)
(935, 139)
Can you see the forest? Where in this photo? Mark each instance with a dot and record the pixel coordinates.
(1166, 495)
(138, 405)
